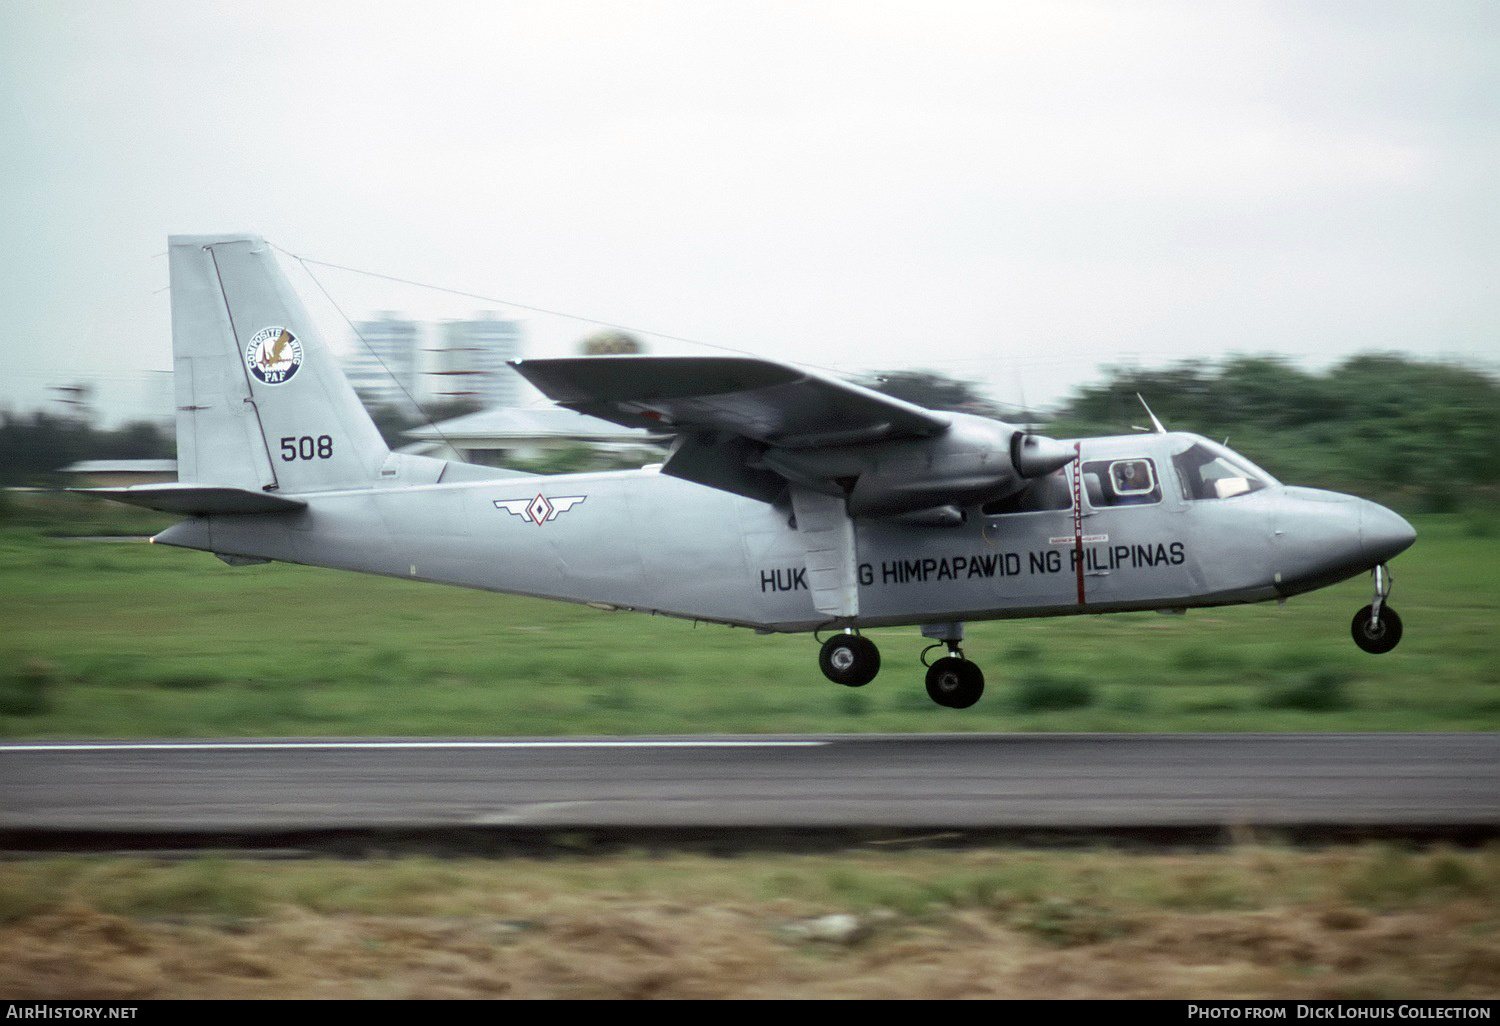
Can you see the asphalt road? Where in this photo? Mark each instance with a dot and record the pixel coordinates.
(978, 782)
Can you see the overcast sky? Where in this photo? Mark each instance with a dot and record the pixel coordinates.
(1013, 192)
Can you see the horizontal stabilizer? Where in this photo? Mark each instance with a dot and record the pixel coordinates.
(197, 499)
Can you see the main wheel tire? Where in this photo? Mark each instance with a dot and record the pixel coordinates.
(1376, 638)
(955, 683)
(850, 660)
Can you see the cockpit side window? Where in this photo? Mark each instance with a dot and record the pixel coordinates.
(1128, 482)
(1209, 472)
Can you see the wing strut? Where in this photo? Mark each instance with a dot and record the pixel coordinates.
(832, 563)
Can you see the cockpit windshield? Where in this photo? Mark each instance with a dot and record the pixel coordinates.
(1209, 471)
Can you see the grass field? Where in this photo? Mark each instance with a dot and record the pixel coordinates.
(129, 640)
(1370, 922)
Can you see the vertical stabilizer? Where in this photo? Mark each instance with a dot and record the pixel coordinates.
(261, 401)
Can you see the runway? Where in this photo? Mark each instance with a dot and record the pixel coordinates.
(974, 782)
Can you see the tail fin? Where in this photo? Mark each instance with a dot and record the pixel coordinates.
(261, 402)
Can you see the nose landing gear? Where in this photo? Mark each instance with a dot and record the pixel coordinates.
(1376, 627)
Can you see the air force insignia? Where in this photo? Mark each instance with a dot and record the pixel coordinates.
(273, 355)
(540, 509)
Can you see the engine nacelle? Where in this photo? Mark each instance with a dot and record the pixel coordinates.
(1037, 455)
(975, 461)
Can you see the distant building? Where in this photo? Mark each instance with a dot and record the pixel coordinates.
(383, 366)
(494, 436)
(116, 473)
(469, 364)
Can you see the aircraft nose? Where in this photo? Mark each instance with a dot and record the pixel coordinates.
(1383, 534)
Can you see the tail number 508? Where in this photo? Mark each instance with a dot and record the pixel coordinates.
(306, 448)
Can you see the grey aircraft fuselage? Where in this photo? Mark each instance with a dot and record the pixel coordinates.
(640, 540)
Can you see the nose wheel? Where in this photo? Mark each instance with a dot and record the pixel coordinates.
(1377, 634)
(1376, 627)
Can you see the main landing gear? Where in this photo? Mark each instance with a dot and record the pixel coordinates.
(849, 659)
(1377, 628)
(853, 660)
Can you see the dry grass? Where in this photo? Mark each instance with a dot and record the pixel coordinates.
(1365, 923)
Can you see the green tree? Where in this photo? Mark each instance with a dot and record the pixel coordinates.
(35, 446)
(1417, 433)
(610, 342)
(932, 390)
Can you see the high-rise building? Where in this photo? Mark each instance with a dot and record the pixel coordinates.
(383, 365)
(469, 364)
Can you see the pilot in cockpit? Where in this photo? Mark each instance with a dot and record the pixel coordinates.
(1131, 480)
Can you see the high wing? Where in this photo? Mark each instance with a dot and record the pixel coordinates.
(767, 402)
(757, 428)
(731, 411)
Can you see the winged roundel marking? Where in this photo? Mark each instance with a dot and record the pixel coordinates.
(541, 509)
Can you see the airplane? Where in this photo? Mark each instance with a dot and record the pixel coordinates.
(790, 501)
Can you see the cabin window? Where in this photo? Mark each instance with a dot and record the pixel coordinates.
(1042, 494)
(1208, 471)
(1130, 482)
